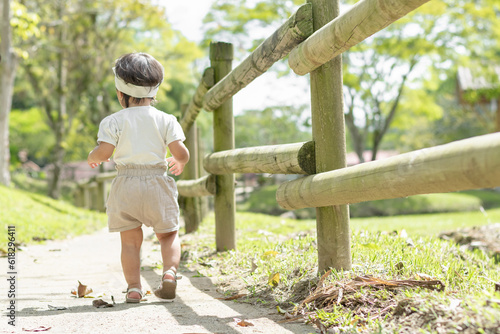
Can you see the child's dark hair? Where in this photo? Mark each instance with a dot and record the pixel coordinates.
(139, 69)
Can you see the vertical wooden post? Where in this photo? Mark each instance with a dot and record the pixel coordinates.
(101, 196)
(191, 205)
(497, 116)
(332, 223)
(221, 56)
(204, 207)
(79, 196)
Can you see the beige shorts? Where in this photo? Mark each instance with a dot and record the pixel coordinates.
(142, 194)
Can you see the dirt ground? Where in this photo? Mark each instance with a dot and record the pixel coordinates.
(46, 275)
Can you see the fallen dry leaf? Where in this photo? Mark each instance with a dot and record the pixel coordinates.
(83, 290)
(99, 303)
(37, 329)
(274, 279)
(327, 296)
(242, 323)
(233, 297)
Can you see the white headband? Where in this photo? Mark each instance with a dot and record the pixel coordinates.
(133, 90)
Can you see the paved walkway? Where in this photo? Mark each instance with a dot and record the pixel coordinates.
(46, 274)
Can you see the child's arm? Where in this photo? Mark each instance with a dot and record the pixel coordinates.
(100, 153)
(179, 158)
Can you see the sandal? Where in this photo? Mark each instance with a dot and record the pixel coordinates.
(134, 300)
(167, 287)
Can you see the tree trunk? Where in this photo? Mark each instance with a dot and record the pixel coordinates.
(8, 65)
(62, 123)
(358, 138)
(380, 132)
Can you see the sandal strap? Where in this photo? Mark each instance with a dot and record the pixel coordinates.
(139, 291)
(172, 273)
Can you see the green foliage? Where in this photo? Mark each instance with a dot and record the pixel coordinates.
(418, 204)
(426, 224)
(254, 127)
(24, 26)
(37, 217)
(68, 73)
(29, 132)
(231, 21)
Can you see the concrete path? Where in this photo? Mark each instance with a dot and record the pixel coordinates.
(46, 274)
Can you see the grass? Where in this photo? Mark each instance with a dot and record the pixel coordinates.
(428, 224)
(37, 217)
(263, 200)
(275, 265)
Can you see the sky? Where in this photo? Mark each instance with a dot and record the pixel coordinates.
(267, 90)
(187, 16)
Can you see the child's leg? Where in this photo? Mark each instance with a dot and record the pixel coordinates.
(131, 258)
(170, 250)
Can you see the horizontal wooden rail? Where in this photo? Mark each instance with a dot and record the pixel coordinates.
(277, 46)
(466, 164)
(105, 176)
(204, 186)
(274, 159)
(196, 103)
(361, 21)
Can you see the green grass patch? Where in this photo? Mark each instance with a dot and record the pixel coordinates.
(37, 217)
(429, 224)
(275, 265)
(264, 201)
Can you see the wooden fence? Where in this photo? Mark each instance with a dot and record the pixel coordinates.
(314, 38)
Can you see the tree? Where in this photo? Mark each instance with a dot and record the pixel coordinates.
(379, 71)
(8, 66)
(287, 127)
(70, 68)
(9, 59)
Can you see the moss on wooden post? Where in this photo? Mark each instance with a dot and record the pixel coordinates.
(332, 222)
(221, 56)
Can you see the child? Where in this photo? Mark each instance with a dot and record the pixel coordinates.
(142, 193)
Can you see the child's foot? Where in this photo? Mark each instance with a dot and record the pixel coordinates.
(167, 287)
(134, 295)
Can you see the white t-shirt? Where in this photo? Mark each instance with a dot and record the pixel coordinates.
(140, 135)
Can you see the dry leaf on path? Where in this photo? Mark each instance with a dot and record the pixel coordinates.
(99, 303)
(37, 329)
(83, 290)
(233, 296)
(242, 323)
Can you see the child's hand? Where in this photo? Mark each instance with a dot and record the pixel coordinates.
(175, 166)
(94, 164)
